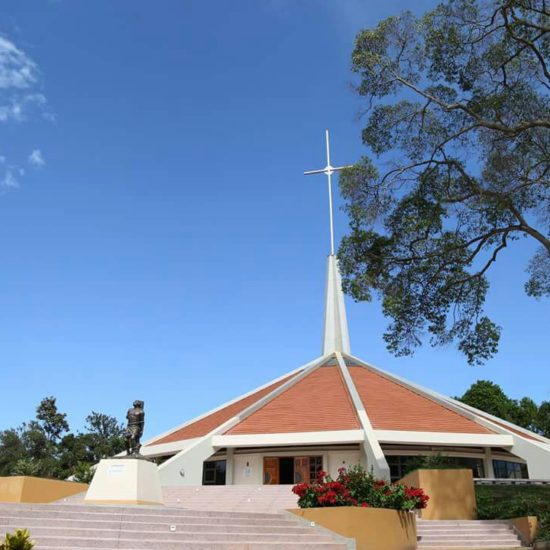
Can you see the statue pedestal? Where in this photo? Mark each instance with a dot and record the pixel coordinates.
(125, 481)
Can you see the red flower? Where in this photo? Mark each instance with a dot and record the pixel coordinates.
(300, 489)
(364, 505)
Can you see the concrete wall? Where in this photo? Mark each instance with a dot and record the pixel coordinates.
(372, 528)
(451, 492)
(36, 489)
(341, 459)
(185, 468)
(251, 474)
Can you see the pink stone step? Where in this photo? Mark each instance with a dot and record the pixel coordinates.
(61, 526)
(40, 533)
(195, 526)
(485, 534)
(52, 543)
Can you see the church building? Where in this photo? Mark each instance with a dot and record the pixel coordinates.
(335, 411)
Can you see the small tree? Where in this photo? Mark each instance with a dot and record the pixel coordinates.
(53, 423)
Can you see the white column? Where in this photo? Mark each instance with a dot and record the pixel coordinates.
(229, 466)
(488, 463)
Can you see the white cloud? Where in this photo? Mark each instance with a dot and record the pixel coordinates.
(19, 83)
(36, 158)
(17, 70)
(20, 96)
(10, 181)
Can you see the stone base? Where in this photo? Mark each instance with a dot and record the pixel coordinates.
(125, 481)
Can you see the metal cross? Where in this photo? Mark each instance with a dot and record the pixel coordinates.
(328, 170)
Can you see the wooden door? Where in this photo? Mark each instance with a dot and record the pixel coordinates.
(301, 469)
(271, 471)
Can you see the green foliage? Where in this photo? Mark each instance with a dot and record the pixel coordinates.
(20, 540)
(27, 467)
(44, 447)
(83, 472)
(509, 501)
(11, 451)
(543, 418)
(459, 120)
(435, 461)
(489, 397)
(105, 435)
(52, 423)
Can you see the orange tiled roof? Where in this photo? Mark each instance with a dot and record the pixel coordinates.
(318, 402)
(208, 423)
(391, 406)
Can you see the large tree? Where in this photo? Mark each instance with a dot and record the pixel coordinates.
(459, 123)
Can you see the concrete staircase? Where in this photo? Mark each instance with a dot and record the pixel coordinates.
(60, 526)
(224, 498)
(232, 498)
(473, 535)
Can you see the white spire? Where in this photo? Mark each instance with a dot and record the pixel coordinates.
(328, 170)
(336, 336)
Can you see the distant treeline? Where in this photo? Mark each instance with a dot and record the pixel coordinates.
(45, 446)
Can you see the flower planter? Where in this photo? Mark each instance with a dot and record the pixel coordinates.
(372, 528)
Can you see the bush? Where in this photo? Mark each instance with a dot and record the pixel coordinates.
(83, 472)
(510, 501)
(17, 541)
(356, 487)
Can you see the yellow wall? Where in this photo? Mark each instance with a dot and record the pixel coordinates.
(372, 528)
(527, 527)
(36, 489)
(451, 492)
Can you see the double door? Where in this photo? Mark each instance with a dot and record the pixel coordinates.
(286, 470)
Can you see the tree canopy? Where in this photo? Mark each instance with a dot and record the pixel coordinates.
(45, 447)
(459, 119)
(489, 397)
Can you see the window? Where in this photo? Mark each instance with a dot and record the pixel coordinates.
(315, 466)
(505, 469)
(474, 464)
(213, 472)
(402, 465)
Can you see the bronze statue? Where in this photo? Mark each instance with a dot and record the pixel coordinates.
(134, 431)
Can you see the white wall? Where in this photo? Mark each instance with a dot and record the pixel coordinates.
(341, 459)
(251, 474)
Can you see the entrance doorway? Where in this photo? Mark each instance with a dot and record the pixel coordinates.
(287, 470)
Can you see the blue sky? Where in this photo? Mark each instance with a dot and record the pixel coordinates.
(159, 239)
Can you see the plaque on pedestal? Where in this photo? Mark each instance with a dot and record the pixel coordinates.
(125, 481)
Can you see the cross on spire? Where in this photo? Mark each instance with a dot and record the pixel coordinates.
(328, 170)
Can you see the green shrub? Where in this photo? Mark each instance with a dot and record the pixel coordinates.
(510, 501)
(17, 541)
(83, 472)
